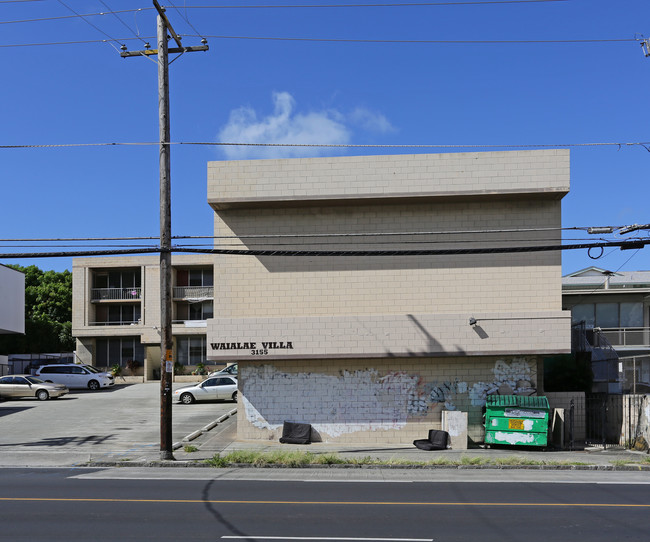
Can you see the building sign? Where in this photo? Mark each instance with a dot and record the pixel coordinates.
(256, 348)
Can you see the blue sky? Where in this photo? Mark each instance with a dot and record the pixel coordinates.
(539, 85)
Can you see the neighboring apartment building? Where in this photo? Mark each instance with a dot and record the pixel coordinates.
(612, 310)
(367, 347)
(12, 307)
(12, 300)
(372, 348)
(116, 310)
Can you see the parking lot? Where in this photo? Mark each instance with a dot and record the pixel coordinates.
(122, 422)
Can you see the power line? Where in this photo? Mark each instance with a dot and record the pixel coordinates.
(342, 40)
(430, 42)
(391, 4)
(87, 21)
(76, 16)
(308, 235)
(121, 21)
(623, 245)
(186, 19)
(644, 144)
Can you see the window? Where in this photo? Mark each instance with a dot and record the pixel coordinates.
(194, 311)
(584, 313)
(609, 315)
(632, 314)
(118, 350)
(115, 315)
(191, 350)
(194, 277)
(124, 278)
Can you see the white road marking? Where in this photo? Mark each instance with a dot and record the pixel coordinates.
(329, 538)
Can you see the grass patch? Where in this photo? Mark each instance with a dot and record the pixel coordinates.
(189, 448)
(217, 462)
(329, 459)
(466, 460)
(517, 461)
(284, 458)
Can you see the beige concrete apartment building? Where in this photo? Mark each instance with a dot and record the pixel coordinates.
(366, 295)
(116, 310)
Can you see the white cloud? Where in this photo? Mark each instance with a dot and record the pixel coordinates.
(371, 121)
(285, 126)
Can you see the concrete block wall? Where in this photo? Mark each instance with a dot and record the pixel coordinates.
(323, 202)
(389, 175)
(382, 401)
(285, 285)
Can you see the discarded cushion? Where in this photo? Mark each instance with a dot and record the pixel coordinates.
(438, 440)
(296, 433)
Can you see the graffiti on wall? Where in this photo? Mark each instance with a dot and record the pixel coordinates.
(350, 402)
(515, 378)
(364, 400)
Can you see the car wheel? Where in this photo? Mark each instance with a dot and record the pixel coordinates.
(234, 397)
(187, 398)
(93, 385)
(42, 395)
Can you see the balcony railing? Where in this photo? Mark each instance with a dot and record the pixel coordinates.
(117, 323)
(115, 294)
(627, 336)
(198, 293)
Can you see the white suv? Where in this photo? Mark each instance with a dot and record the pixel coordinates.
(75, 376)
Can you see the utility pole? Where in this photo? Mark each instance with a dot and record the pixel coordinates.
(166, 337)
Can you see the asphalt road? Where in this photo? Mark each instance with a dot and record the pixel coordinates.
(87, 504)
(108, 424)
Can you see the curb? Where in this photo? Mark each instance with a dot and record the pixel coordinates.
(203, 430)
(203, 465)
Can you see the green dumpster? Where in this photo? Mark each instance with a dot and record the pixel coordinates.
(516, 420)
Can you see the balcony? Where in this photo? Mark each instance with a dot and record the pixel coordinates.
(194, 293)
(115, 294)
(627, 337)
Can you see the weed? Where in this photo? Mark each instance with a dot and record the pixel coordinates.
(217, 461)
(466, 460)
(328, 459)
(189, 448)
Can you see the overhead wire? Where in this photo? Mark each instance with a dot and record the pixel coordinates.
(111, 38)
(186, 18)
(338, 40)
(76, 16)
(121, 21)
(335, 145)
(333, 253)
(377, 5)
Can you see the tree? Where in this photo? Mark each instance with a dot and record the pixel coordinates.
(48, 314)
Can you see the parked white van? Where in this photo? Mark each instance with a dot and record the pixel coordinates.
(75, 376)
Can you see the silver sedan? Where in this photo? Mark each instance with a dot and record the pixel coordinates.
(218, 387)
(16, 386)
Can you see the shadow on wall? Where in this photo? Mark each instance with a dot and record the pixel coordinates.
(408, 223)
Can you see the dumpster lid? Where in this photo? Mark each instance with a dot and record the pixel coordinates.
(517, 400)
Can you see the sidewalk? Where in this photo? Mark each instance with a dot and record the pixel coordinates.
(216, 441)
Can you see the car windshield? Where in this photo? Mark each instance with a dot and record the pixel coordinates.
(92, 369)
(34, 380)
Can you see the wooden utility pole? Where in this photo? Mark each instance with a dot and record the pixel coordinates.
(166, 337)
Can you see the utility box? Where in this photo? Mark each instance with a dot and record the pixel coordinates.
(516, 420)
